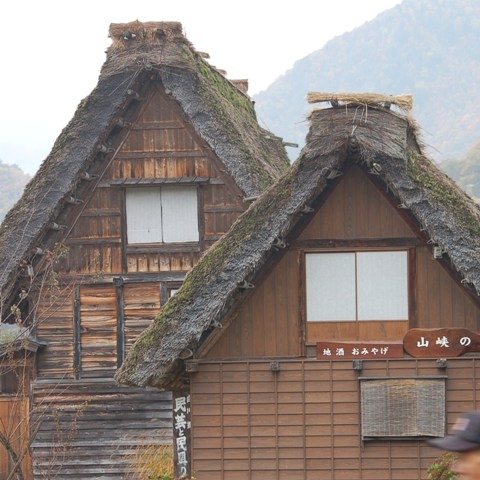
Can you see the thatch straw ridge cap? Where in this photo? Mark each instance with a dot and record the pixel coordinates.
(403, 101)
(126, 35)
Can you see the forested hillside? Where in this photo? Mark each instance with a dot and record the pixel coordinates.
(466, 171)
(425, 47)
(12, 183)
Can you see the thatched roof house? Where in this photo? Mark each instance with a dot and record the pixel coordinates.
(387, 144)
(221, 113)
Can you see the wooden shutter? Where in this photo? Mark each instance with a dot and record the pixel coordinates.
(142, 305)
(98, 331)
(179, 214)
(144, 220)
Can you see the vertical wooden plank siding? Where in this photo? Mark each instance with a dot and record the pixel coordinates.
(14, 415)
(303, 422)
(265, 325)
(142, 305)
(54, 323)
(98, 326)
(120, 311)
(356, 209)
(440, 300)
(77, 358)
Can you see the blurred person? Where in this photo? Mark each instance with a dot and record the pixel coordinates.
(465, 441)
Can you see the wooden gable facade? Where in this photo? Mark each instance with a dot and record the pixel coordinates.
(281, 390)
(141, 182)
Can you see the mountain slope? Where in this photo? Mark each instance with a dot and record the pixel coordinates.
(425, 47)
(12, 183)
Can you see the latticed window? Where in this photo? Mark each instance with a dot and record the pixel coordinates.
(402, 407)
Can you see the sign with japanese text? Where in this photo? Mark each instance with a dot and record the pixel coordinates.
(181, 434)
(440, 342)
(357, 349)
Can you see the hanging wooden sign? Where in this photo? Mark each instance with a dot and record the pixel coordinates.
(440, 342)
(181, 434)
(347, 349)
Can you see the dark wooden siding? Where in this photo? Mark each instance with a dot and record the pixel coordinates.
(98, 331)
(91, 430)
(54, 325)
(105, 292)
(141, 305)
(159, 147)
(304, 421)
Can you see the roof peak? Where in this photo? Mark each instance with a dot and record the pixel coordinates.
(403, 101)
(133, 34)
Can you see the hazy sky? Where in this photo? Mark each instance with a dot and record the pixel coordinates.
(52, 51)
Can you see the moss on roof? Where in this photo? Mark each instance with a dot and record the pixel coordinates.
(444, 190)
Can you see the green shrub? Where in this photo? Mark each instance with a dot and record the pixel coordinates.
(440, 469)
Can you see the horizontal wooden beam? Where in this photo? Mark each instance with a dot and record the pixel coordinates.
(223, 208)
(129, 182)
(158, 126)
(356, 243)
(163, 248)
(160, 154)
(94, 241)
(170, 276)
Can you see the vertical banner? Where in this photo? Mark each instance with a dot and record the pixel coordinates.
(181, 434)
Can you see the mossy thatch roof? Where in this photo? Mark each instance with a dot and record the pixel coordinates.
(386, 143)
(141, 53)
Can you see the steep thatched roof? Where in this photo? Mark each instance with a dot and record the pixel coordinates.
(383, 141)
(140, 53)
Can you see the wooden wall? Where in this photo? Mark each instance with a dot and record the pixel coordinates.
(160, 148)
(95, 429)
(271, 320)
(14, 413)
(303, 422)
(105, 292)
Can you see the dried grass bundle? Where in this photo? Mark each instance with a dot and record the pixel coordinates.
(122, 34)
(403, 101)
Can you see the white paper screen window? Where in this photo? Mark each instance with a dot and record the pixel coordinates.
(162, 215)
(382, 286)
(179, 214)
(144, 215)
(357, 286)
(330, 286)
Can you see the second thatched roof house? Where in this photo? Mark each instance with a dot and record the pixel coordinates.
(332, 329)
